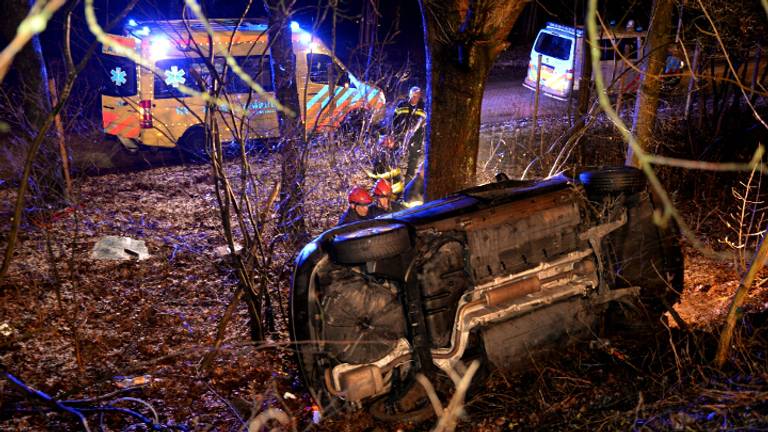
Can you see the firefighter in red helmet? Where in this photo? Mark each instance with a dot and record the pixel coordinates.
(384, 198)
(359, 206)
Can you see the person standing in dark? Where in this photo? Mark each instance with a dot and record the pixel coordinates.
(409, 125)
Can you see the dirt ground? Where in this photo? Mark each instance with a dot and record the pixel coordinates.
(77, 328)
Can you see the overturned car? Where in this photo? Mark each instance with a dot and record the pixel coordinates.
(493, 272)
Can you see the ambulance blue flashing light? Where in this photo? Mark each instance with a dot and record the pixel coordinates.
(144, 31)
(295, 26)
(132, 23)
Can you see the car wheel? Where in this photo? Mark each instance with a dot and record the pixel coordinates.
(615, 180)
(192, 143)
(370, 243)
(339, 316)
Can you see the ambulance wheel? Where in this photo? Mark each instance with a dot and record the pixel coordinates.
(192, 143)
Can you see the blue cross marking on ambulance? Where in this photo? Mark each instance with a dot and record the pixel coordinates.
(118, 76)
(175, 76)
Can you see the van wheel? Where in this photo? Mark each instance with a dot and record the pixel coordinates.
(192, 143)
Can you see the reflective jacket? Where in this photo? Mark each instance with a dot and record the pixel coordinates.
(409, 120)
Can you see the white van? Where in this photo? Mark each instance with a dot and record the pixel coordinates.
(141, 107)
(561, 50)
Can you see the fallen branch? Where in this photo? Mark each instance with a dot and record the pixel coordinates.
(735, 311)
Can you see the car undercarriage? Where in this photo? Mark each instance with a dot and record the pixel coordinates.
(493, 273)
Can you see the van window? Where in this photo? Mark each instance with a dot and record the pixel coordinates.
(321, 66)
(627, 47)
(553, 46)
(180, 71)
(118, 76)
(257, 67)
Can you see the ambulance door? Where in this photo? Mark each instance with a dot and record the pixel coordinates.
(173, 112)
(119, 97)
(259, 116)
(557, 52)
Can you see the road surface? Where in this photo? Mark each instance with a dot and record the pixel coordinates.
(506, 100)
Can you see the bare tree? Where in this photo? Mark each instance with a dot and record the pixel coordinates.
(28, 64)
(291, 213)
(462, 41)
(659, 35)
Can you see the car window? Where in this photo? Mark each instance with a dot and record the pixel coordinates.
(553, 46)
(257, 67)
(118, 76)
(322, 69)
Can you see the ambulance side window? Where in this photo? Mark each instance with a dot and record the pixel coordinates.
(322, 68)
(257, 67)
(118, 76)
(176, 72)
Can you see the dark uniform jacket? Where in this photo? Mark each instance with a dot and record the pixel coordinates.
(407, 117)
(350, 215)
(408, 125)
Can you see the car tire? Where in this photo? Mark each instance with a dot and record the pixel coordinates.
(614, 180)
(371, 243)
(192, 143)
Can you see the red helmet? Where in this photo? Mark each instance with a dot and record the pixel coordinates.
(382, 188)
(359, 195)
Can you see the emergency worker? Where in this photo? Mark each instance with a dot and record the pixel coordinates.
(384, 199)
(409, 125)
(359, 206)
(385, 163)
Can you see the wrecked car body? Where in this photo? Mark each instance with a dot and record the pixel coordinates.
(493, 272)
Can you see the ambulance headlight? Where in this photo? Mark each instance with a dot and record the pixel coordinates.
(159, 48)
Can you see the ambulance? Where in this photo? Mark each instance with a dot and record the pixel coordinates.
(142, 107)
(562, 54)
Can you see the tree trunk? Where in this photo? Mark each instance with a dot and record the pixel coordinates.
(659, 38)
(290, 207)
(31, 73)
(462, 40)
